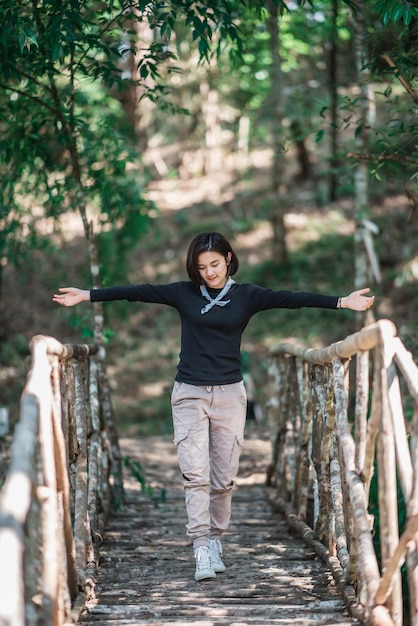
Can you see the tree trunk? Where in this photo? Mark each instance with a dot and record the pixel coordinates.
(361, 174)
(130, 97)
(278, 209)
(98, 322)
(333, 86)
(302, 154)
(212, 157)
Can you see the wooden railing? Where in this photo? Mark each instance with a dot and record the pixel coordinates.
(342, 425)
(64, 475)
(344, 465)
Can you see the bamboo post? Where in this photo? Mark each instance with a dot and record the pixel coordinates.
(283, 415)
(337, 503)
(394, 562)
(403, 456)
(348, 513)
(94, 480)
(387, 488)
(328, 443)
(367, 556)
(47, 493)
(80, 526)
(292, 429)
(273, 408)
(327, 420)
(64, 599)
(14, 511)
(362, 401)
(409, 370)
(407, 366)
(412, 547)
(317, 429)
(63, 483)
(300, 492)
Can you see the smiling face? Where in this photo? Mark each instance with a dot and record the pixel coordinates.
(213, 268)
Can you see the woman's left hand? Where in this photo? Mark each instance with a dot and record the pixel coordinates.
(357, 301)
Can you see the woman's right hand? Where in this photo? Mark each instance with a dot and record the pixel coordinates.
(71, 296)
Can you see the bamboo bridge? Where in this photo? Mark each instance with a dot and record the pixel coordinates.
(325, 510)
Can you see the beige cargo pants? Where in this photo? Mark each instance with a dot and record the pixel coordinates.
(209, 427)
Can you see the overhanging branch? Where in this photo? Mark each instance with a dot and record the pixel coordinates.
(382, 157)
(402, 80)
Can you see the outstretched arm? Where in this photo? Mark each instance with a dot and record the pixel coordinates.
(356, 300)
(71, 296)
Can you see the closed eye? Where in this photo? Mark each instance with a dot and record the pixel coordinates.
(215, 264)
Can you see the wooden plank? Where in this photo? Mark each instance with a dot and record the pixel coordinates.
(146, 574)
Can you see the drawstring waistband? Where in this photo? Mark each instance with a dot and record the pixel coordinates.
(210, 387)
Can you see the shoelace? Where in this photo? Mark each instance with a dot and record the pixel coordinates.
(202, 555)
(217, 545)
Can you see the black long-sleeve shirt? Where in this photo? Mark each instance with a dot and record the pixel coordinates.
(211, 343)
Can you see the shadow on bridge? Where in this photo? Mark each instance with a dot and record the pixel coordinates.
(146, 574)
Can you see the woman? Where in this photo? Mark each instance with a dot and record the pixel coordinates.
(208, 397)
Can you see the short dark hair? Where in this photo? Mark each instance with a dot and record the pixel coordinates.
(209, 242)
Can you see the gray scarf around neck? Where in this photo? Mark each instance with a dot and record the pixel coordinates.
(218, 300)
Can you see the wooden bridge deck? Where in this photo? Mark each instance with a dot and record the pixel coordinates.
(146, 573)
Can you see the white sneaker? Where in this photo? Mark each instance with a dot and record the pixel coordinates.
(204, 567)
(215, 552)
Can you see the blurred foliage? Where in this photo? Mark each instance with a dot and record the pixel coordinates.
(65, 142)
(139, 473)
(405, 11)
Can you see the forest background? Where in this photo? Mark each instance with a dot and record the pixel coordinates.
(128, 127)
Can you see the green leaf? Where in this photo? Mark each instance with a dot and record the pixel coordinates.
(407, 17)
(57, 52)
(31, 36)
(22, 42)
